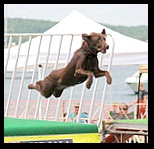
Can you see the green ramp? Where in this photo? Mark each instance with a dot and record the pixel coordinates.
(27, 127)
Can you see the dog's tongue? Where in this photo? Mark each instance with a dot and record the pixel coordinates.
(101, 50)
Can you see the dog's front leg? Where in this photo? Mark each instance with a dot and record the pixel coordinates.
(100, 73)
(85, 72)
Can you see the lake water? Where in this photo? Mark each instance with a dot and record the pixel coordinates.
(119, 91)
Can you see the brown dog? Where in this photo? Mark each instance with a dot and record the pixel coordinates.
(83, 66)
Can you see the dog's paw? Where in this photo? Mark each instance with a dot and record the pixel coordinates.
(30, 86)
(88, 85)
(109, 80)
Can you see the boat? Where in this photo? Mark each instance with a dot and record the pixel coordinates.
(132, 81)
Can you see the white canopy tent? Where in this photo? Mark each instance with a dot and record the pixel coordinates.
(127, 51)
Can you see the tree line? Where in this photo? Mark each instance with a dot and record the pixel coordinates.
(18, 25)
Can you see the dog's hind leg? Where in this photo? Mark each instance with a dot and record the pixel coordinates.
(45, 90)
(31, 86)
(37, 86)
(57, 93)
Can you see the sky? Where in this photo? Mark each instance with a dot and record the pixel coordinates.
(112, 14)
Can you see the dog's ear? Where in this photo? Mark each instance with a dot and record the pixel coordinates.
(85, 37)
(103, 32)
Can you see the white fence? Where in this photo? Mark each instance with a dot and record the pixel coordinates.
(34, 59)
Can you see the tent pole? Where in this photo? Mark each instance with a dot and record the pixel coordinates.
(138, 95)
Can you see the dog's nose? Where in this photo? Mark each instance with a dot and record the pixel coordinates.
(107, 46)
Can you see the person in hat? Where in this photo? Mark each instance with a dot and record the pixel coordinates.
(83, 115)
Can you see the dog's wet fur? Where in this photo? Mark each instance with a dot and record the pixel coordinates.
(82, 67)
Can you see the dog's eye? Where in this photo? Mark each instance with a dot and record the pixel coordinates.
(99, 38)
(104, 38)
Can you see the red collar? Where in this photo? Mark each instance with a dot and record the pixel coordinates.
(86, 44)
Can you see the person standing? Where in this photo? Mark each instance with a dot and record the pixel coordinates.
(142, 101)
(115, 107)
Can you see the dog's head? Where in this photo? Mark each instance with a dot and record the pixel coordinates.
(96, 41)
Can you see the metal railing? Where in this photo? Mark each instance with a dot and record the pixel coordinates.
(50, 51)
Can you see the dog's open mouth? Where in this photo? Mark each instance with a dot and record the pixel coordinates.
(102, 50)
